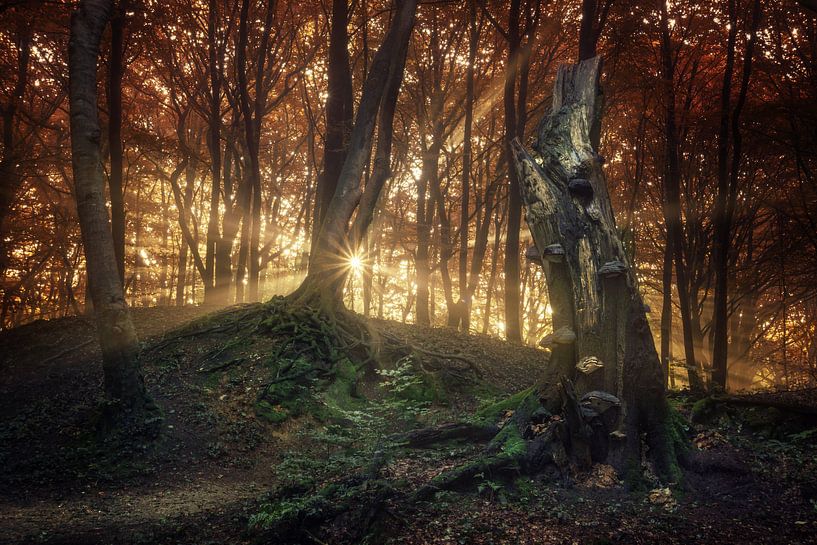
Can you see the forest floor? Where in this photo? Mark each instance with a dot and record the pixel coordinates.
(221, 457)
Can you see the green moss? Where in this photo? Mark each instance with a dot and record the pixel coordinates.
(767, 421)
(678, 443)
(428, 389)
(513, 445)
(634, 478)
(703, 409)
(325, 502)
(493, 412)
(677, 429)
(271, 413)
(341, 391)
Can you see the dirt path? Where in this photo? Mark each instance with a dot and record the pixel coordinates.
(133, 515)
(51, 371)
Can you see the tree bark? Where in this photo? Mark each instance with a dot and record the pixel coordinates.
(186, 202)
(513, 331)
(727, 195)
(115, 148)
(10, 179)
(328, 264)
(124, 384)
(464, 304)
(592, 287)
(666, 312)
(672, 205)
(339, 112)
(214, 290)
(587, 31)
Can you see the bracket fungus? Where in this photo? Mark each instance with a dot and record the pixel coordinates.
(563, 335)
(612, 269)
(580, 187)
(532, 254)
(589, 365)
(554, 253)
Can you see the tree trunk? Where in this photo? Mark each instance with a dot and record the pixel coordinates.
(727, 196)
(124, 384)
(10, 178)
(214, 254)
(591, 284)
(115, 182)
(672, 205)
(464, 303)
(328, 264)
(339, 111)
(666, 312)
(425, 213)
(513, 330)
(190, 177)
(587, 32)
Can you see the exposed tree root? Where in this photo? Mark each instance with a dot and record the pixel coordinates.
(756, 401)
(466, 474)
(426, 437)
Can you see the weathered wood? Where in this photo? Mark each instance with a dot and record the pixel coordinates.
(579, 434)
(425, 437)
(593, 290)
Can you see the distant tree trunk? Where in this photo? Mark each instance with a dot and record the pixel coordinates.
(672, 205)
(235, 187)
(115, 181)
(464, 302)
(513, 331)
(124, 384)
(253, 112)
(666, 310)
(366, 273)
(190, 176)
(726, 199)
(10, 179)
(214, 293)
(243, 254)
(587, 32)
(421, 258)
(591, 284)
(594, 17)
(164, 292)
(499, 220)
(255, 240)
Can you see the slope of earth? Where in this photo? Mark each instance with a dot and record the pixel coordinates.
(222, 457)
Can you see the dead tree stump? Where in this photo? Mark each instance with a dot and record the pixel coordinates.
(602, 341)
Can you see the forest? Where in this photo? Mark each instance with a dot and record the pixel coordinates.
(408, 271)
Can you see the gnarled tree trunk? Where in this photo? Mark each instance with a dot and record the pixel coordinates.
(602, 340)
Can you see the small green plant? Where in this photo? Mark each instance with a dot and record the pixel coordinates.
(406, 397)
(492, 489)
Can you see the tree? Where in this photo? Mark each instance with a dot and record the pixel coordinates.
(601, 338)
(329, 262)
(672, 203)
(727, 195)
(10, 178)
(515, 108)
(464, 303)
(124, 385)
(339, 111)
(114, 93)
